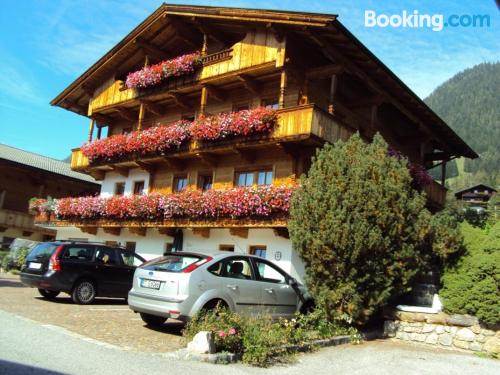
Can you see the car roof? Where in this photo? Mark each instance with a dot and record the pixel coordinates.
(214, 254)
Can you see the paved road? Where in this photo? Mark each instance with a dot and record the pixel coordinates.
(28, 347)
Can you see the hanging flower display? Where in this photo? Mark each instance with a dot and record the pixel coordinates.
(163, 138)
(420, 176)
(244, 202)
(154, 74)
(242, 123)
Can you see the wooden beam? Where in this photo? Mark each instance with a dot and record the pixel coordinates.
(281, 232)
(211, 32)
(333, 94)
(185, 33)
(121, 171)
(283, 85)
(98, 175)
(203, 232)
(179, 99)
(73, 104)
(146, 167)
(366, 101)
(216, 93)
(91, 129)
(151, 49)
(167, 231)
(115, 231)
(207, 159)
(436, 156)
(87, 90)
(240, 232)
(247, 155)
(126, 114)
(174, 163)
(101, 119)
(153, 107)
(203, 100)
(139, 231)
(249, 83)
(278, 31)
(89, 230)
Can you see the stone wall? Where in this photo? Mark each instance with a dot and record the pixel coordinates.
(459, 332)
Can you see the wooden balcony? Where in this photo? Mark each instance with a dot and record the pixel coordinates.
(436, 194)
(22, 221)
(295, 124)
(242, 58)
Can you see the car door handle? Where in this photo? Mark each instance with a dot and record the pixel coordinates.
(232, 287)
(269, 290)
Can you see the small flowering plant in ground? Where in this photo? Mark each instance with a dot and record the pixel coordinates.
(154, 74)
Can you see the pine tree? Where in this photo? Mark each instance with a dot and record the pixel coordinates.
(359, 226)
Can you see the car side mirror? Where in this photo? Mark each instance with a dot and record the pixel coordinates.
(292, 282)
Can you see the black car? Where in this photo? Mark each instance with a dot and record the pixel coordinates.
(81, 269)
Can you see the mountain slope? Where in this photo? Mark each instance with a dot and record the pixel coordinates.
(470, 103)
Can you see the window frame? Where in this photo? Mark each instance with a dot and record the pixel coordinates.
(120, 183)
(255, 172)
(253, 248)
(222, 246)
(175, 181)
(134, 187)
(272, 265)
(203, 175)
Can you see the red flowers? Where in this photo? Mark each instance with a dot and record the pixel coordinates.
(160, 139)
(254, 202)
(154, 74)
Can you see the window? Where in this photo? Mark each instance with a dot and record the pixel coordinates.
(126, 130)
(269, 273)
(270, 103)
(130, 259)
(259, 251)
(105, 256)
(79, 253)
(244, 178)
(139, 187)
(262, 177)
(205, 182)
(130, 246)
(180, 183)
(226, 247)
(174, 263)
(119, 188)
(237, 268)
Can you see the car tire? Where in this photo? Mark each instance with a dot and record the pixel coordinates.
(84, 292)
(48, 294)
(152, 320)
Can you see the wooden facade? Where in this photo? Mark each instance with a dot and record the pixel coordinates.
(323, 82)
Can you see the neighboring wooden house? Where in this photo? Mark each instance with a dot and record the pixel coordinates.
(322, 83)
(24, 175)
(477, 195)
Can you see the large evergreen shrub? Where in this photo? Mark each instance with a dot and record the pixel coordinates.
(360, 227)
(472, 285)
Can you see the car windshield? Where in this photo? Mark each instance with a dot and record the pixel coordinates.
(173, 263)
(43, 250)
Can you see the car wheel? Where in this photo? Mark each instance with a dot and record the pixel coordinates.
(84, 292)
(152, 320)
(49, 294)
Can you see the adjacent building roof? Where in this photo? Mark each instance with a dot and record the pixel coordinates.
(479, 187)
(45, 163)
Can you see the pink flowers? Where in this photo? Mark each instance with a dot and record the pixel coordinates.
(155, 140)
(244, 123)
(154, 74)
(248, 202)
(161, 139)
(231, 332)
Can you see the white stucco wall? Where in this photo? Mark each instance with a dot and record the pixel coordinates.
(108, 184)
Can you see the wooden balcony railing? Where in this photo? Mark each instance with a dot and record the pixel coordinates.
(243, 56)
(79, 162)
(436, 194)
(294, 123)
(22, 221)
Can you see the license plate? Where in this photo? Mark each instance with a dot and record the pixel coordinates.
(150, 284)
(35, 266)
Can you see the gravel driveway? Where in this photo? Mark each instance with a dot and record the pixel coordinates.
(108, 320)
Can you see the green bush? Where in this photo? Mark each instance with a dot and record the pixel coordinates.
(21, 255)
(261, 341)
(471, 286)
(361, 229)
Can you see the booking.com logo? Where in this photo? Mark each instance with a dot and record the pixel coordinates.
(416, 20)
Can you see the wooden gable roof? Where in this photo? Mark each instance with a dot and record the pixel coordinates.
(179, 29)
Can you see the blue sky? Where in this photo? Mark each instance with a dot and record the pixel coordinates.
(46, 44)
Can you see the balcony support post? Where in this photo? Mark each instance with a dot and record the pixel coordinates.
(203, 102)
(283, 82)
(99, 131)
(91, 129)
(204, 48)
(142, 111)
(333, 94)
(443, 172)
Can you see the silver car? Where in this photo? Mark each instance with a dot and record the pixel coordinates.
(181, 284)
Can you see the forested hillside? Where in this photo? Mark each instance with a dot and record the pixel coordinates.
(470, 103)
